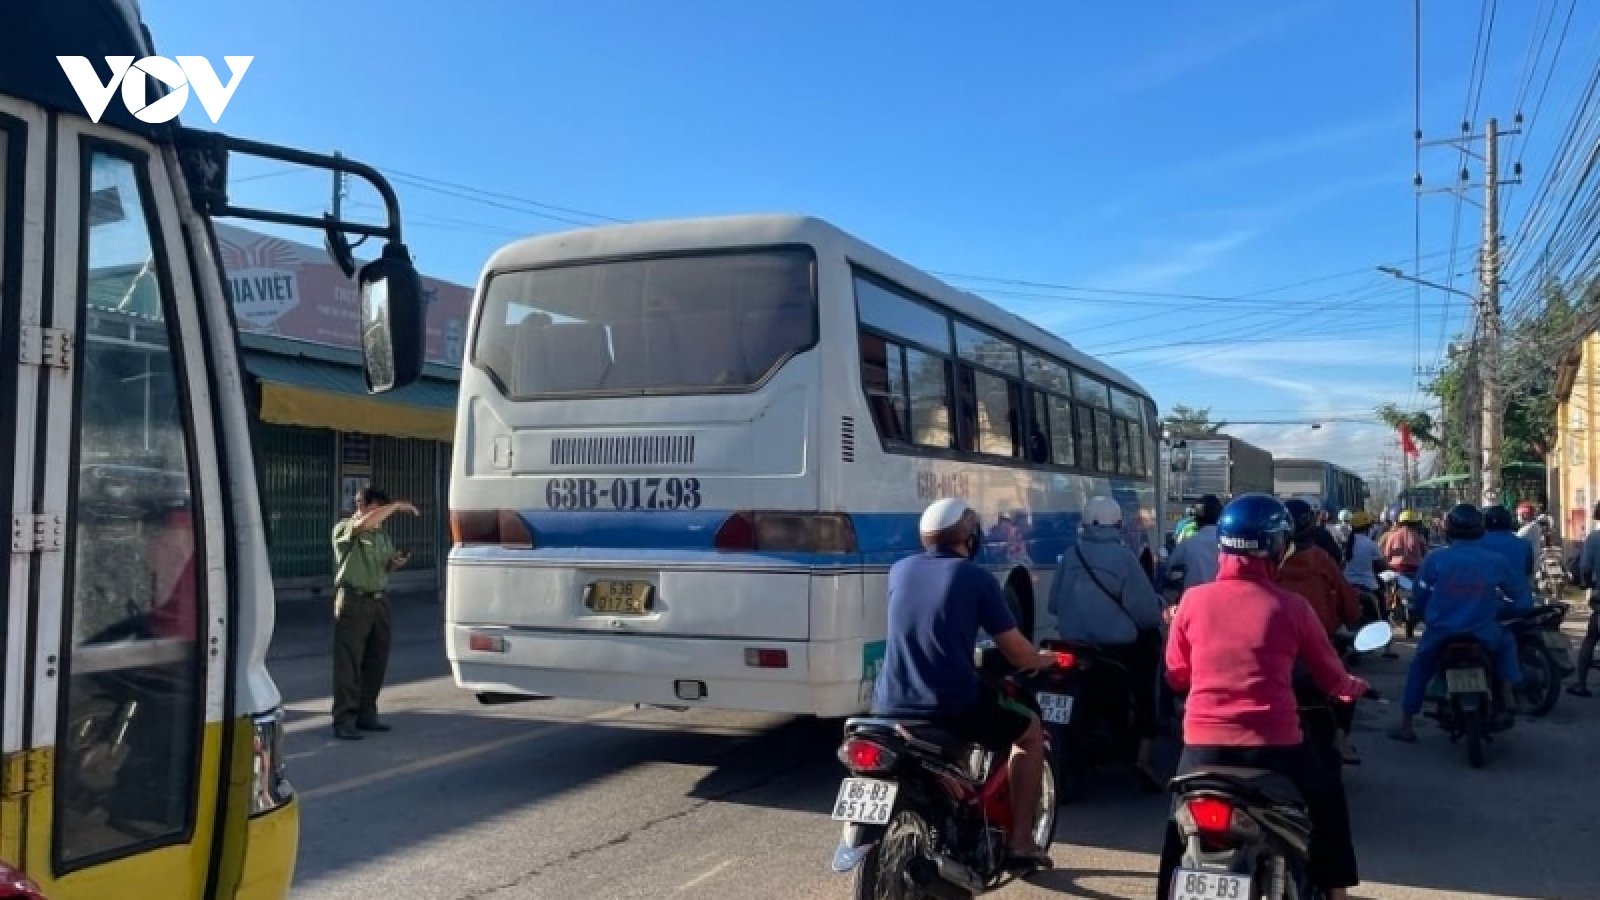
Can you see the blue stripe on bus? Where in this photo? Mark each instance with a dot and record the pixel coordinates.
(687, 536)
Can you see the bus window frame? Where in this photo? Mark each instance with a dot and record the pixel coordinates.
(1024, 385)
(481, 302)
(89, 146)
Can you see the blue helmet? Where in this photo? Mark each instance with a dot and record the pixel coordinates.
(1254, 525)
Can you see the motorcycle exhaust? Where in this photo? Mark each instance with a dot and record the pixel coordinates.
(944, 879)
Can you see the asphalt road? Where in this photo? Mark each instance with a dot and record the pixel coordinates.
(562, 799)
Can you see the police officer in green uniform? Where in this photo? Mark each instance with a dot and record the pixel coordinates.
(363, 558)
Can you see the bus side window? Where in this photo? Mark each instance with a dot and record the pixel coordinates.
(127, 748)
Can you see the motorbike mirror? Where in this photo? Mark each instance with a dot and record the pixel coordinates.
(1374, 636)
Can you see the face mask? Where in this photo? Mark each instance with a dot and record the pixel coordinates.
(973, 546)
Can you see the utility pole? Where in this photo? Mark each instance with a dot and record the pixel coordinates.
(1483, 388)
(1489, 298)
(341, 187)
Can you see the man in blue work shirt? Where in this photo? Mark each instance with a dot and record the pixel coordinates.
(1459, 592)
(1499, 538)
(937, 602)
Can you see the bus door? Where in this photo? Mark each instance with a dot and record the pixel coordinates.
(116, 637)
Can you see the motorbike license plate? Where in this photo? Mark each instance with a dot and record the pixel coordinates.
(1194, 884)
(1466, 681)
(865, 801)
(1555, 640)
(1056, 708)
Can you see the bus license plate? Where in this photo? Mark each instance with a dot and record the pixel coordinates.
(1056, 708)
(626, 597)
(1555, 640)
(1193, 884)
(1466, 681)
(865, 801)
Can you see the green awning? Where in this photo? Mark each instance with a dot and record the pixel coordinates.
(313, 374)
(317, 393)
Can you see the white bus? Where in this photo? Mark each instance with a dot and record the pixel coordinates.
(688, 452)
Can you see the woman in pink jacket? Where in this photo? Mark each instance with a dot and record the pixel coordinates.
(1233, 647)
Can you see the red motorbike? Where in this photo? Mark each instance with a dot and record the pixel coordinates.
(928, 815)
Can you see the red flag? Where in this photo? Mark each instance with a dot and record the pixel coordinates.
(1407, 445)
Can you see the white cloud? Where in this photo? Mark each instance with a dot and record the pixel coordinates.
(1178, 263)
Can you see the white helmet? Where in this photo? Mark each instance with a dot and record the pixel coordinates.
(942, 514)
(1102, 511)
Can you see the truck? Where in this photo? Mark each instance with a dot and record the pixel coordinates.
(1217, 464)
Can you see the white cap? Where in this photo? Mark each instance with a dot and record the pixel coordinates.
(942, 514)
(1102, 511)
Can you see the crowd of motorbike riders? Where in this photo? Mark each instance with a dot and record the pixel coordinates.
(1253, 599)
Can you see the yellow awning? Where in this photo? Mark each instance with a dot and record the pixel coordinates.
(285, 404)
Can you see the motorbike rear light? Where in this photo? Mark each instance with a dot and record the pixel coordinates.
(1213, 817)
(490, 528)
(866, 756)
(1065, 660)
(787, 532)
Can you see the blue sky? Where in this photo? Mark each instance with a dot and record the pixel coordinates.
(1198, 193)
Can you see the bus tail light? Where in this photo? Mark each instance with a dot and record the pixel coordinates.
(766, 658)
(490, 527)
(487, 642)
(269, 787)
(787, 532)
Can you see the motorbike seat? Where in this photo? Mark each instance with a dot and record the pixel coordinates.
(927, 731)
(1259, 786)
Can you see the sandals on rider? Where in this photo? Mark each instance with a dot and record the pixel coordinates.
(1028, 860)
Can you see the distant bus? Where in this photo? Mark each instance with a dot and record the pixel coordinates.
(688, 453)
(1321, 483)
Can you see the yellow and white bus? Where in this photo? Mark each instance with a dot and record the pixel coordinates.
(140, 729)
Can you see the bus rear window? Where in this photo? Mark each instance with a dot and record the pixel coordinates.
(679, 324)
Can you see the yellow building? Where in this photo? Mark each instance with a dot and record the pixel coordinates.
(1574, 471)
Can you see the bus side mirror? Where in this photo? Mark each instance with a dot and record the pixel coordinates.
(391, 320)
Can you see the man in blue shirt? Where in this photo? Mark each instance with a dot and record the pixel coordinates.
(1499, 538)
(937, 602)
(1460, 590)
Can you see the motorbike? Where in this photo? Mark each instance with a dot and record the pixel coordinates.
(1466, 696)
(1397, 597)
(1543, 654)
(1088, 716)
(1247, 832)
(926, 814)
(1550, 576)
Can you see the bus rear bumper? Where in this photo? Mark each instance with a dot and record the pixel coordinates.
(820, 678)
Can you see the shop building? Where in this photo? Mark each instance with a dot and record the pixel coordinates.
(320, 436)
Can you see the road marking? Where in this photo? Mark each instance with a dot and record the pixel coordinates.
(705, 876)
(445, 759)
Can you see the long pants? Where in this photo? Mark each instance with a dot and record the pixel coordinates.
(1143, 660)
(1590, 639)
(360, 655)
(1426, 661)
(1333, 852)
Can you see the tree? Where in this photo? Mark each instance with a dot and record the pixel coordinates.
(1534, 344)
(1188, 420)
